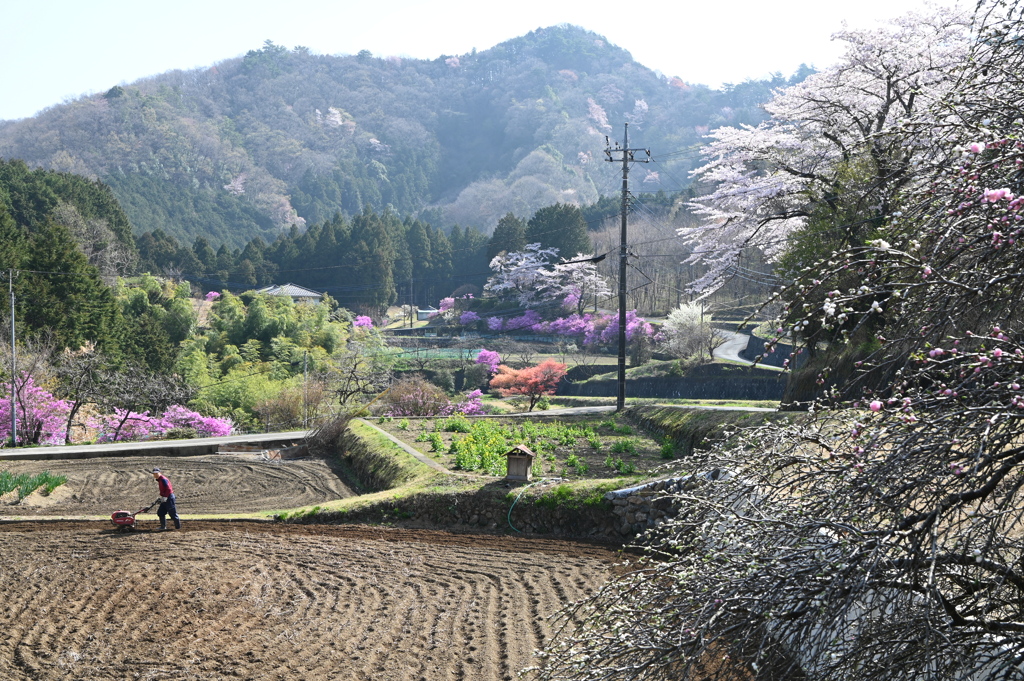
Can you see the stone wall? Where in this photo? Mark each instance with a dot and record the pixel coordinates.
(648, 506)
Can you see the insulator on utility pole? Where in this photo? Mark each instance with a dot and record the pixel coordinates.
(627, 158)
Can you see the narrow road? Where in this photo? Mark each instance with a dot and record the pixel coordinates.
(193, 447)
(735, 344)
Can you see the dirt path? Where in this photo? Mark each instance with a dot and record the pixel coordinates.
(202, 484)
(249, 600)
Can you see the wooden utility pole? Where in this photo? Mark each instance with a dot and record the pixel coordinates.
(627, 158)
(14, 366)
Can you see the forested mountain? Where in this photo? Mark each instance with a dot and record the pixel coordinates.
(278, 137)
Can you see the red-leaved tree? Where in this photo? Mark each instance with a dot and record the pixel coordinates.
(531, 382)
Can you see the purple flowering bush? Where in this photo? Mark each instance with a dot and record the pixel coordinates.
(42, 418)
(363, 321)
(490, 358)
(122, 426)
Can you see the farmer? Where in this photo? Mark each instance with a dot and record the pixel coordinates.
(166, 501)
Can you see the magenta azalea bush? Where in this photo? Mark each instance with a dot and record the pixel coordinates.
(42, 418)
(363, 321)
(212, 296)
(206, 426)
(468, 317)
(602, 329)
(472, 405)
(136, 426)
(489, 357)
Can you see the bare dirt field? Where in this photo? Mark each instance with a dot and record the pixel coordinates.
(251, 600)
(246, 599)
(202, 485)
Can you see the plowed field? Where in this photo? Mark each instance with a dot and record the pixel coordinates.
(270, 601)
(261, 600)
(202, 484)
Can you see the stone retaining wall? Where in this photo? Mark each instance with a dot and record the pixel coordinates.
(647, 506)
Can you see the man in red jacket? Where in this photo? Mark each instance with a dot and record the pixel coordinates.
(166, 501)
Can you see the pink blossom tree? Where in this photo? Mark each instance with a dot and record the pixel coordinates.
(836, 149)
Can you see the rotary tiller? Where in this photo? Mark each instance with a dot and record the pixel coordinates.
(124, 521)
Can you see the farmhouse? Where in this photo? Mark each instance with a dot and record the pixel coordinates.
(297, 293)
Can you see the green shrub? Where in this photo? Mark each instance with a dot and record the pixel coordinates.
(456, 424)
(624, 447)
(182, 433)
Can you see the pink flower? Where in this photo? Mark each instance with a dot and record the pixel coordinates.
(995, 195)
(212, 295)
(875, 405)
(977, 147)
(363, 321)
(489, 357)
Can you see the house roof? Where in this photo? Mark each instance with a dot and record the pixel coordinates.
(292, 290)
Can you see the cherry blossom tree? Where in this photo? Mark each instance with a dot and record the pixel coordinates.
(578, 283)
(878, 536)
(523, 275)
(835, 150)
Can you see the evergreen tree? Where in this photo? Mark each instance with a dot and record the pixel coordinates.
(560, 226)
(509, 236)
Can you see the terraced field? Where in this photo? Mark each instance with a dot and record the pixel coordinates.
(264, 600)
(245, 600)
(202, 484)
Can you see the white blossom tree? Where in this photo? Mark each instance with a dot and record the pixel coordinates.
(578, 282)
(835, 149)
(881, 536)
(524, 275)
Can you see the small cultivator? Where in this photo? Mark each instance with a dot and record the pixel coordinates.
(124, 521)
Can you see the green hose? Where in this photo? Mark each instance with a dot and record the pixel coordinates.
(517, 501)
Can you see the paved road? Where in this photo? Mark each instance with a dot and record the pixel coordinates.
(731, 349)
(194, 447)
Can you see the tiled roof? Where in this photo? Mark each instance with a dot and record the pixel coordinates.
(291, 290)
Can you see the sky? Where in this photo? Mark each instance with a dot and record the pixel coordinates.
(57, 50)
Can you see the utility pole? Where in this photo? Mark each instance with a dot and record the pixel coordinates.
(14, 365)
(627, 157)
(305, 379)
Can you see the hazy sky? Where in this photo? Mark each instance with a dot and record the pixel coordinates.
(53, 50)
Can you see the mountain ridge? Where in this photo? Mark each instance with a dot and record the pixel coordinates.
(253, 144)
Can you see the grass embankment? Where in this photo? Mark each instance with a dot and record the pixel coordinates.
(690, 429)
(674, 368)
